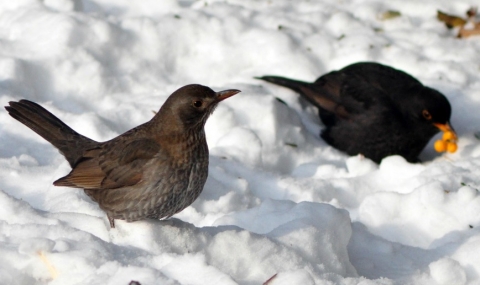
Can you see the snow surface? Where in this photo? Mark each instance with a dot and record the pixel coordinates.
(278, 199)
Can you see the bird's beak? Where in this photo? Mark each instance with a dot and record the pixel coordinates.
(445, 128)
(222, 95)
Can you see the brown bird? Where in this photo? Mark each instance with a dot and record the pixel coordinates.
(152, 171)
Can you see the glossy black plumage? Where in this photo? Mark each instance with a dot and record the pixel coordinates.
(375, 110)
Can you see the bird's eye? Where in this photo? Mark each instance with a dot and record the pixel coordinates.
(426, 114)
(197, 104)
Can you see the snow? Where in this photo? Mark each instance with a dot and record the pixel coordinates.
(279, 202)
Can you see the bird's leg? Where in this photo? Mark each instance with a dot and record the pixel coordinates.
(112, 222)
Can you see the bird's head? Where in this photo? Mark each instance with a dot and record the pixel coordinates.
(191, 105)
(432, 110)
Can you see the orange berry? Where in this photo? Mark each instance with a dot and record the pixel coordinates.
(451, 147)
(448, 135)
(440, 146)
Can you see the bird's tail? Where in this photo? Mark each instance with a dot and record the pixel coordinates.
(70, 143)
(322, 96)
(295, 85)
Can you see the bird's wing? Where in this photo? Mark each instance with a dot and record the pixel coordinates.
(351, 93)
(342, 93)
(111, 167)
(325, 93)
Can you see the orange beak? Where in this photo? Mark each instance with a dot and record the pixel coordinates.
(447, 131)
(445, 127)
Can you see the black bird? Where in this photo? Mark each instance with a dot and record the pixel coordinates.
(152, 171)
(375, 110)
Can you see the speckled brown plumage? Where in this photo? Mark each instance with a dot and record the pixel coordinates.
(152, 171)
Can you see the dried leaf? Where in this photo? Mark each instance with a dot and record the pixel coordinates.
(450, 20)
(281, 101)
(390, 14)
(294, 145)
(51, 269)
(464, 33)
(270, 279)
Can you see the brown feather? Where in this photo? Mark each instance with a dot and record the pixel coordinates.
(87, 174)
(152, 171)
